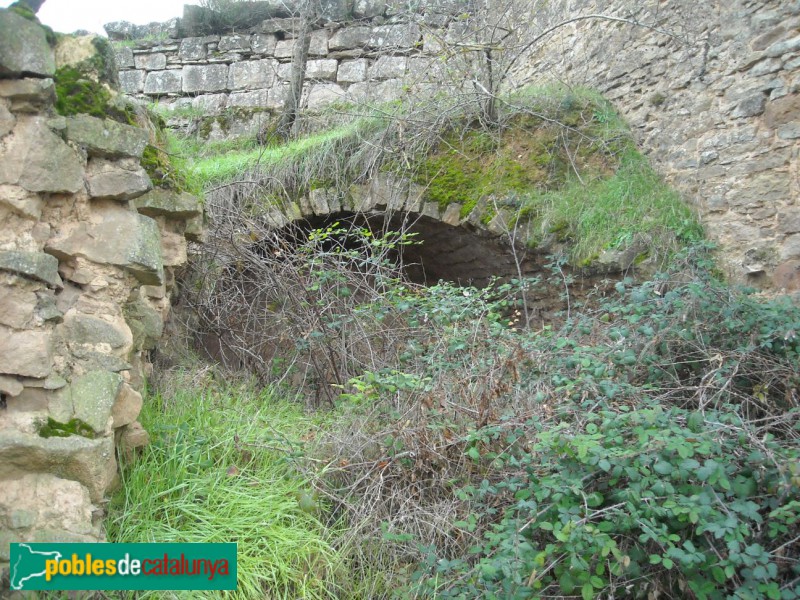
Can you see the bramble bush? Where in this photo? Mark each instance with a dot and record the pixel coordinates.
(644, 446)
(648, 446)
(667, 462)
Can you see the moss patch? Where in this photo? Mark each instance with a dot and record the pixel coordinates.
(52, 428)
(77, 94)
(527, 153)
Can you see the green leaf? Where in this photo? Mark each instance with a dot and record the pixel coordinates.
(662, 468)
(668, 563)
(587, 591)
(655, 559)
(604, 464)
(719, 574)
(474, 454)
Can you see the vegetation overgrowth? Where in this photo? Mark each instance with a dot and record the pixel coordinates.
(560, 162)
(643, 444)
(646, 446)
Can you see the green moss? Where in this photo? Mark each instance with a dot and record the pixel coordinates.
(78, 94)
(163, 171)
(53, 428)
(24, 11)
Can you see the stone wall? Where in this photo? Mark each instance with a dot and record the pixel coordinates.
(371, 59)
(87, 252)
(712, 92)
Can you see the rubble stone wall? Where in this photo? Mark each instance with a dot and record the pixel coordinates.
(87, 253)
(712, 92)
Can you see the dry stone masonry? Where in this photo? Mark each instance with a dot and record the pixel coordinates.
(87, 252)
(368, 59)
(712, 91)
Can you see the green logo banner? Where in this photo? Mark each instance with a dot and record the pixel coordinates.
(123, 566)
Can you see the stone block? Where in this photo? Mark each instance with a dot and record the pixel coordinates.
(252, 74)
(348, 38)
(131, 438)
(401, 36)
(106, 138)
(263, 43)
(164, 82)
(352, 71)
(276, 96)
(335, 10)
(150, 62)
(205, 78)
(368, 9)
(284, 71)
(210, 104)
(321, 69)
(284, 49)
(789, 222)
(173, 249)
(17, 304)
(126, 407)
(322, 95)
(55, 508)
(166, 203)
(132, 82)
(34, 265)
(23, 47)
(145, 323)
(33, 157)
(193, 48)
(254, 99)
(93, 397)
(124, 58)
(28, 95)
(10, 386)
(784, 47)
(21, 202)
(90, 462)
(234, 43)
(318, 44)
(25, 353)
(116, 180)
(118, 237)
(388, 67)
(290, 25)
(752, 106)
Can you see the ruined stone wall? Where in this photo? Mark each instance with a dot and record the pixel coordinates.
(712, 92)
(87, 252)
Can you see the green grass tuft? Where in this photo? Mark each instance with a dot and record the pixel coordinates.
(610, 212)
(217, 471)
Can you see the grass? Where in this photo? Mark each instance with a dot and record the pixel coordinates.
(224, 162)
(217, 471)
(611, 212)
